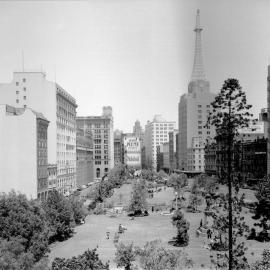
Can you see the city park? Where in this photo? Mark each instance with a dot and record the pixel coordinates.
(162, 198)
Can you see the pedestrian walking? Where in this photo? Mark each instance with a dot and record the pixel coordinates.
(201, 223)
(107, 235)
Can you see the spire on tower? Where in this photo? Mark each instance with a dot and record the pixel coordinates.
(198, 70)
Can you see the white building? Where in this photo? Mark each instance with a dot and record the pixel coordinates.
(23, 155)
(193, 109)
(156, 133)
(32, 89)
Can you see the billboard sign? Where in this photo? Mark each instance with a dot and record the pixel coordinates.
(132, 152)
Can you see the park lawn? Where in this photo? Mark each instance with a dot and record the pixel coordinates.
(140, 230)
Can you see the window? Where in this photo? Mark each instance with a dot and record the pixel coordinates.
(106, 162)
(97, 162)
(207, 106)
(17, 92)
(199, 111)
(199, 122)
(24, 106)
(17, 83)
(199, 106)
(199, 127)
(17, 101)
(199, 132)
(24, 97)
(24, 80)
(24, 89)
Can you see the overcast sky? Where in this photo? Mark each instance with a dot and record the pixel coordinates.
(137, 55)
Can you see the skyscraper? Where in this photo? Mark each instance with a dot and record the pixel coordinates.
(193, 110)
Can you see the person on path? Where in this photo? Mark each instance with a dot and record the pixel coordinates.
(107, 235)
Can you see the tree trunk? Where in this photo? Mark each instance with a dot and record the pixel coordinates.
(229, 179)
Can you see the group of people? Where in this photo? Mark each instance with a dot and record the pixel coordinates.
(121, 229)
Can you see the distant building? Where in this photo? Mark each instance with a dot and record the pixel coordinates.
(118, 147)
(24, 154)
(132, 151)
(32, 89)
(138, 132)
(263, 117)
(210, 157)
(172, 149)
(160, 158)
(156, 133)
(166, 156)
(84, 151)
(193, 110)
(101, 129)
(254, 131)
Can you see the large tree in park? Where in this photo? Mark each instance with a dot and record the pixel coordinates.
(125, 255)
(230, 112)
(59, 214)
(138, 203)
(24, 221)
(182, 226)
(89, 260)
(79, 210)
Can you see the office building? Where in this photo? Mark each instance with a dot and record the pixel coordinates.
(101, 129)
(23, 155)
(139, 132)
(156, 133)
(32, 89)
(193, 110)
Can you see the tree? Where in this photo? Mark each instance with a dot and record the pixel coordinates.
(155, 256)
(195, 200)
(178, 181)
(79, 211)
(125, 255)
(229, 114)
(88, 260)
(59, 214)
(25, 221)
(263, 210)
(117, 175)
(264, 263)
(221, 241)
(14, 257)
(138, 203)
(182, 226)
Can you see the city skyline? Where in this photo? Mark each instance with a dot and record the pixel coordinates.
(140, 67)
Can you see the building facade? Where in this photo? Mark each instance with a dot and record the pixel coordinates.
(23, 155)
(156, 133)
(118, 147)
(193, 110)
(101, 129)
(139, 132)
(32, 89)
(84, 151)
(172, 149)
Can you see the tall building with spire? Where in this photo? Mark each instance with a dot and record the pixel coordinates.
(193, 110)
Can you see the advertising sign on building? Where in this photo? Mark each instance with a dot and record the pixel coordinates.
(132, 154)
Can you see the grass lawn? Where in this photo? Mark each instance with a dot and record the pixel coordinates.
(139, 231)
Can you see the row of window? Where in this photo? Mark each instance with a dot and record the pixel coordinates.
(98, 162)
(24, 80)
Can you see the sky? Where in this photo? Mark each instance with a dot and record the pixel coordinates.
(137, 55)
